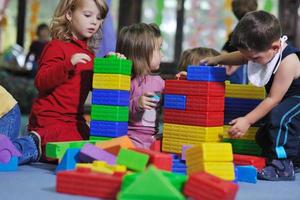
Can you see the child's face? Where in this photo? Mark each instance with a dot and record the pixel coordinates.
(157, 55)
(85, 20)
(262, 57)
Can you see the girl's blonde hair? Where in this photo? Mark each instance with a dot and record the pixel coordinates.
(60, 27)
(194, 56)
(137, 42)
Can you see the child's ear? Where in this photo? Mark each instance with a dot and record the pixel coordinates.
(69, 16)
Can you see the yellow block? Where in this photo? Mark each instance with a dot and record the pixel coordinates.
(198, 133)
(111, 81)
(209, 152)
(175, 145)
(250, 134)
(244, 91)
(224, 170)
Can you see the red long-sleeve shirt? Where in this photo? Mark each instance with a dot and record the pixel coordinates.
(57, 113)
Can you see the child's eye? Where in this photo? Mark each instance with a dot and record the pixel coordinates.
(87, 15)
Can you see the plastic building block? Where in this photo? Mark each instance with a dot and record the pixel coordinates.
(246, 174)
(205, 103)
(250, 134)
(174, 101)
(209, 187)
(206, 73)
(69, 160)
(174, 145)
(178, 165)
(241, 106)
(11, 165)
(99, 138)
(110, 113)
(111, 82)
(194, 88)
(244, 91)
(90, 152)
(8, 155)
(150, 185)
(209, 152)
(87, 183)
(258, 162)
(156, 146)
(113, 146)
(183, 151)
(159, 160)
(195, 118)
(58, 149)
(110, 97)
(132, 159)
(112, 65)
(247, 147)
(108, 129)
(192, 133)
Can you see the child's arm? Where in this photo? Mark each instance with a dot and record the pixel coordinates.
(234, 58)
(282, 81)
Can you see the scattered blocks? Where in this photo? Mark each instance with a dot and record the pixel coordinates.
(69, 160)
(258, 162)
(8, 154)
(132, 159)
(246, 174)
(89, 153)
(113, 146)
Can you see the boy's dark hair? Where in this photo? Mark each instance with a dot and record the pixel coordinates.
(41, 27)
(256, 31)
(241, 7)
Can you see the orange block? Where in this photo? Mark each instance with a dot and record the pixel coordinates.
(113, 146)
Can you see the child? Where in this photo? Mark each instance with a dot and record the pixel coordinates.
(275, 64)
(10, 116)
(37, 46)
(64, 77)
(142, 44)
(238, 74)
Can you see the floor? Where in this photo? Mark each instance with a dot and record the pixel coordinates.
(38, 181)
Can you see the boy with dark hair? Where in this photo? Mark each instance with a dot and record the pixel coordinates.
(274, 64)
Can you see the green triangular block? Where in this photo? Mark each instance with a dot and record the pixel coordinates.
(151, 185)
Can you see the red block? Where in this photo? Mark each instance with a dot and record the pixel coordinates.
(156, 146)
(205, 103)
(258, 162)
(205, 186)
(194, 88)
(195, 118)
(160, 160)
(86, 183)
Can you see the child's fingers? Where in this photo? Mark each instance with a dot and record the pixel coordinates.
(232, 122)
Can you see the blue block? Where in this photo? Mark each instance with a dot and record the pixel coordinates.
(174, 101)
(246, 174)
(206, 73)
(69, 160)
(110, 97)
(12, 165)
(241, 106)
(108, 129)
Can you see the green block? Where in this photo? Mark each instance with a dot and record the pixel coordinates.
(110, 113)
(98, 138)
(132, 160)
(112, 65)
(177, 180)
(58, 149)
(248, 147)
(151, 184)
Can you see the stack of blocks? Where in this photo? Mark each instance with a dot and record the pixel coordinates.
(240, 100)
(110, 97)
(194, 108)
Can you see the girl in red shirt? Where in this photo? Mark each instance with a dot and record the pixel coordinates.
(64, 77)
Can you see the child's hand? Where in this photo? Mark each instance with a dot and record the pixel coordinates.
(80, 58)
(239, 128)
(210, 60)
(119, 55)
(147, 102)
(181, 75)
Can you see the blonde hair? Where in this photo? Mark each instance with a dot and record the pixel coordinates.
(137, 42)
(60, 27)
(194, 56)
